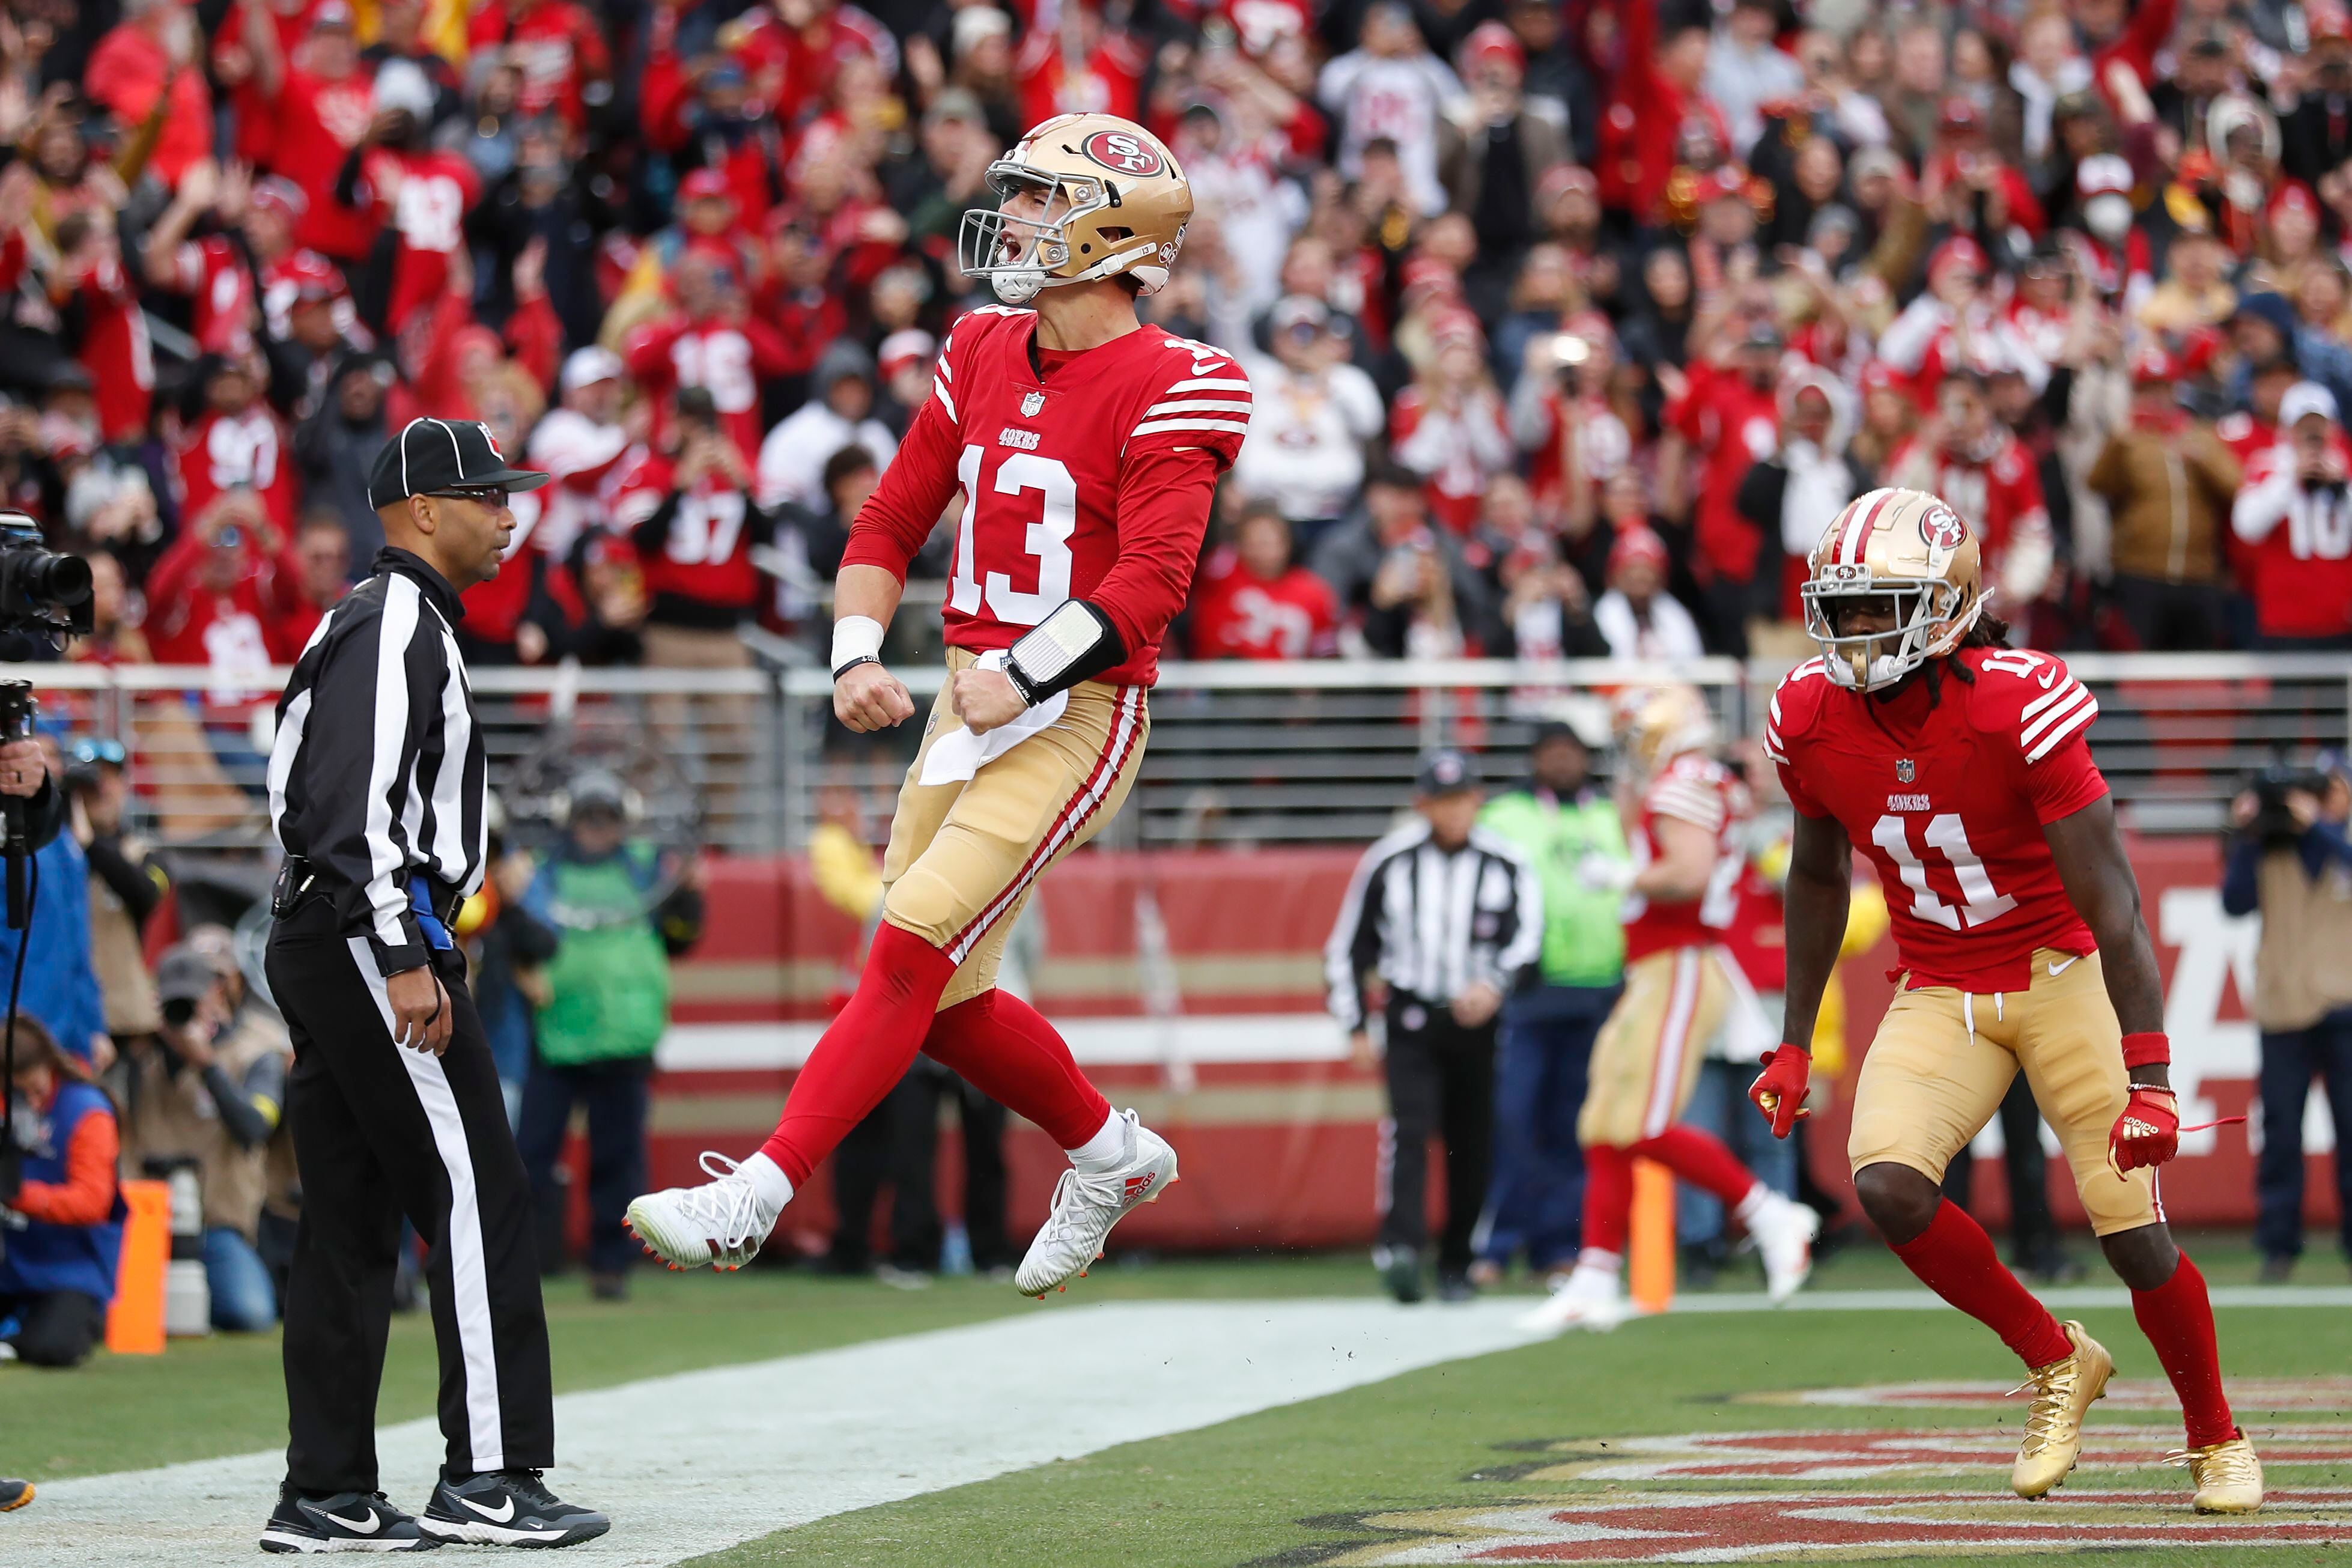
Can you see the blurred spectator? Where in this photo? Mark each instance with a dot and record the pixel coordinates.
(1637, 615)
(212, 599)
(319, 574)
(508, 946)
(1746, 70)
(1311, 414)
(1559, 820)
(1728, 417)
(125, 887)
(2169, 483)
(792, 458)
(1494, 147)
(150, 63)
(1391, 89)
(1791, 496)
(57, 1274)
(711, 342)
(607, 1004)
(2294, 516)
(207, 1089)
(1966, 457)
(1405, 588)
(335, 447)
(1254, 602)
(1448, 425)
(61, 986)
(2290, 862)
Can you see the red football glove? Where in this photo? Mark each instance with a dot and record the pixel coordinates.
(2147, 1133)
(1778, 1090)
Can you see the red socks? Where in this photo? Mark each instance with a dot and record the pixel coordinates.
(1954, 1257)
(1004, 1048)
(2178, 1319)
(1699, 1158)
(865, 1053)
(1608, 1198)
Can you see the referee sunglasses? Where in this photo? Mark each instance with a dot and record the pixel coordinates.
(488, 495)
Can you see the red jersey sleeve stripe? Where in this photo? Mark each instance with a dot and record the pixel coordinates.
(1152, 427)
(2078, 720)
(2039, 703)
(1209, 383)
(2076, 697)
(1198, 405)
(939, 392)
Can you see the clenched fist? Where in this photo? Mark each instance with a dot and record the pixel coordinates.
(868, 697)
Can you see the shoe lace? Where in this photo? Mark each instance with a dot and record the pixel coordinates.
(1074, 1196)
(528, 1485)
(727, 1202)
(2054, 1398)
(2226, 1464)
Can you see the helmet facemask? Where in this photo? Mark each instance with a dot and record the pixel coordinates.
(1021, 256)
(1931, 616)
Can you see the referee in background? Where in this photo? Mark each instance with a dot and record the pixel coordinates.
(376, 790)
(1441, 919)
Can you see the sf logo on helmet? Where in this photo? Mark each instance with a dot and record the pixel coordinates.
(1941, 527)
(1118, 150)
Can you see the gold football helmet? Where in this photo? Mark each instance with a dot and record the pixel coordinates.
(1114, 201)
(1655, 724)
(1905, 546)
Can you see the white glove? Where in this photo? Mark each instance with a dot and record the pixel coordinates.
(1604, 873)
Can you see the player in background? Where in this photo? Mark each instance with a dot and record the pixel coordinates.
(1958, 766)
(1687, 838)
(1088, 446)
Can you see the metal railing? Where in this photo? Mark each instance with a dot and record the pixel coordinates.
(1240, 753)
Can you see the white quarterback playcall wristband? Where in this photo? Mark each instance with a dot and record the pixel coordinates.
(1074, 643)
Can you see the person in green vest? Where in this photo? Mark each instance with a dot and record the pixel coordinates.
(1567, 826)
(604, 1007)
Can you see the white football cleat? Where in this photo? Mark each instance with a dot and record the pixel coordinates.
(1784, 1230)
(718, 1225)
(1088, 1204)
(1588, 1298)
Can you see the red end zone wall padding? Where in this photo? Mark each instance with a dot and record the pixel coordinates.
(1276, 1132)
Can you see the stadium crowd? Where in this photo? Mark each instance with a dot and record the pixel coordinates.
(1568, 324)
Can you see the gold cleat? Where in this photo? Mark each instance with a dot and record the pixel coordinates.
(2062, 1393)
(2229, 1477)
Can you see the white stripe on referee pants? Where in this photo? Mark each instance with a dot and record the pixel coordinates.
(1674, 1042)
(470, 1282)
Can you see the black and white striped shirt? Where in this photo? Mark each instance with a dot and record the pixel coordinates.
(377, 773)
(1431, 923)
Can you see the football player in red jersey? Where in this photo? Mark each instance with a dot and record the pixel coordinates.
(1088, 446)
(1682, 887)
(1959, 767)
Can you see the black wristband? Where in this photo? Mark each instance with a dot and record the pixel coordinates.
(849, 664)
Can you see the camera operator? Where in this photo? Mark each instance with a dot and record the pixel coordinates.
(59, 987)
(208, 1086)
(62, 1222)
(2290, 860)
(125, 887)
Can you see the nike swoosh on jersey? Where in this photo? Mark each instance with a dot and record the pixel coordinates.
(366, 1524)
(2063, 968)
(496, 1516)
(2048, 675)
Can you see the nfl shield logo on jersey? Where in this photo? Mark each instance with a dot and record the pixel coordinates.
(1031, 402)
(1906, 771)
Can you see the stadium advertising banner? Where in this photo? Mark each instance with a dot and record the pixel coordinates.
(1190, 986)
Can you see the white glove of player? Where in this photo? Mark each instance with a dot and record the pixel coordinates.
(1604, 873)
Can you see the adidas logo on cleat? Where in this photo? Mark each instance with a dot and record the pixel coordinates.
(1138, 1185)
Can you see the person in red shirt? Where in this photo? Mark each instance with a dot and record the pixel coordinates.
(566, 65)
(1255, 603)
(1981, 471)
(318, 107)
(315, 576)
(1449, 426)
(1082, 66)
(114, 347)
(213, 598)
(422, 193)
(712, 341)
(1965, 166)
(1658, 90)
(152, 54)
(237, 443)
(1728, 416)
(2295, 515)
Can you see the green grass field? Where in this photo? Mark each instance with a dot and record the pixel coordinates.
(1407, 1465)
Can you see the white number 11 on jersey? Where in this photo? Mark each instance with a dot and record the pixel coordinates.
(1048, 539)
(1985, 904)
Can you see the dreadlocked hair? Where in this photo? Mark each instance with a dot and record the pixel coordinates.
(1988, 630)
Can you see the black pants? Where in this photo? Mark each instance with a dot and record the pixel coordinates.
(897, 1145)
(616, 1096)
(2173, 617)
(1441, 1081)
(56, 1328)
(2291, 1059)
(2032, 1227)
(379, 1134)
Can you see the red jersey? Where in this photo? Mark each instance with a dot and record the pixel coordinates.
(424, 196)
(232, 451)
(1241, 615)
(1949, 803)
(1696, 789)
(189, 623)
(116, 351)
(728, 359)
(558, 46)
(1732, 426)
(212, 273)
(1086, 475)
(2298, 542)
(318, 123)
(699, 568)
(1997, 493)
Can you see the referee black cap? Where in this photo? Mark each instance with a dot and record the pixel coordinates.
(1447, 771)
(430, 455)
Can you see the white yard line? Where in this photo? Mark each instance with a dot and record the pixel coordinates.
(2061, 1299)
(693, 1463)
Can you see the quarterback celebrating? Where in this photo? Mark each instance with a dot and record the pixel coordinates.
(1088, 446)
(1958, 766)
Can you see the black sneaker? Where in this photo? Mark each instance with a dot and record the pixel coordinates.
(15, 1494)
(1400, 1269)
(507, 1508)
(347, 1522)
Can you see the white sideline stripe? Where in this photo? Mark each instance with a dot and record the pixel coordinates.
(702, 1461)
(2069, 1297)
(1095, 1042)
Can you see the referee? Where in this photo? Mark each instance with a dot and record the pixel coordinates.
(1443, 917)
(377, 791)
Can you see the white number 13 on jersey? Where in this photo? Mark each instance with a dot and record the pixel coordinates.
(1048, 539)
(1946, 835)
